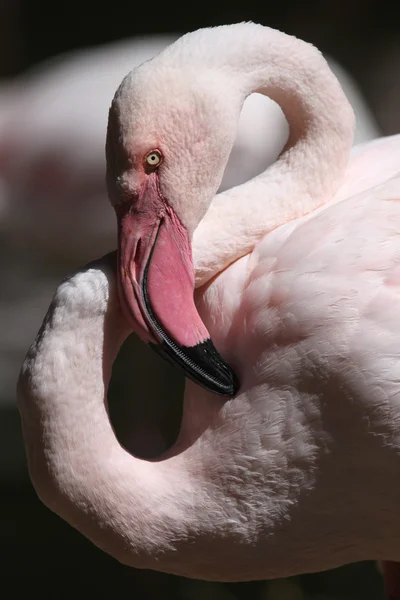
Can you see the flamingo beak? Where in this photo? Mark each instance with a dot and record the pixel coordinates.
(156, 284)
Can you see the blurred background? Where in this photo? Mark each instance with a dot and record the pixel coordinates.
(60, 64)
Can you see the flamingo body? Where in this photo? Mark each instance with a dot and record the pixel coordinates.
(297, 285)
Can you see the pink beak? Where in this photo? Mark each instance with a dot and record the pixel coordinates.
(156, 283)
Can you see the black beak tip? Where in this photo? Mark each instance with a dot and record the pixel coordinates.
(228, 390)
(227, 383)
(201, 363)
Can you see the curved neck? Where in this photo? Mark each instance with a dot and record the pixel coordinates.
(312, 165)
(75, 462)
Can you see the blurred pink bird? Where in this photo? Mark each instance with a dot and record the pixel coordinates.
(298, 283)
(52, 134)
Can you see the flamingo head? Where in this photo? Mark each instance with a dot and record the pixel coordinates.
(168, 142)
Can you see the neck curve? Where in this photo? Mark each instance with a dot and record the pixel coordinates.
(75, 461)
(311, 168)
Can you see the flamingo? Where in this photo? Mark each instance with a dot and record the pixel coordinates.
(52, 128)
(288, 455)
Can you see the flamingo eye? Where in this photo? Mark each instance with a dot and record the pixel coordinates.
(153, 159)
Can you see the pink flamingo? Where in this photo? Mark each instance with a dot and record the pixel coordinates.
(52, 133)
(294, 467)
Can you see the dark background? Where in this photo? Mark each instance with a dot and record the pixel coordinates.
(362, 35)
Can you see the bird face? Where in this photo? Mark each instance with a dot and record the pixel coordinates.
(166, 153)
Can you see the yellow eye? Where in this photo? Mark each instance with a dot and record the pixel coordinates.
(153, 159)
